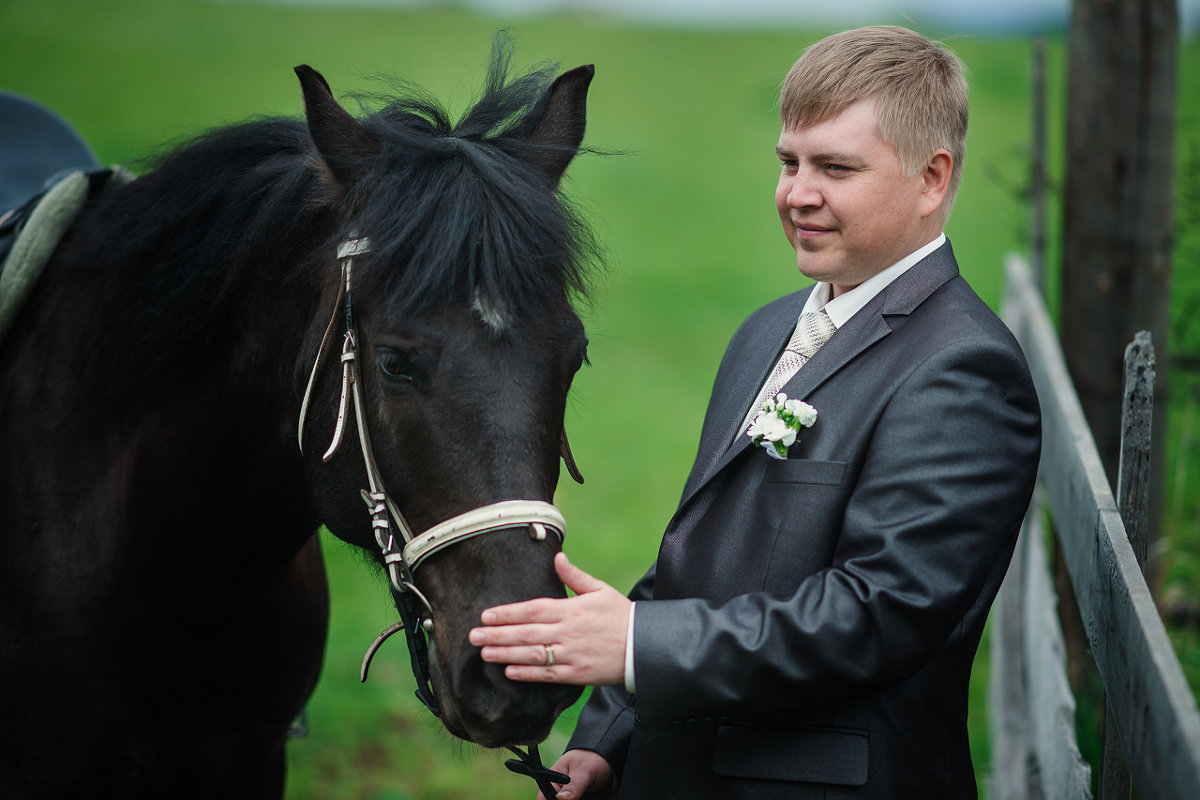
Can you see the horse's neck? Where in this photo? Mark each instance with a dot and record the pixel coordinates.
(208, 431)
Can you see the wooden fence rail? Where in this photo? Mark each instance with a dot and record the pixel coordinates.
(1034, 749)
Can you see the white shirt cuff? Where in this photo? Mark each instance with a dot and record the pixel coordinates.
(629, 684)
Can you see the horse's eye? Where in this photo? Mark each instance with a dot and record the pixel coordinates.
(395, 365)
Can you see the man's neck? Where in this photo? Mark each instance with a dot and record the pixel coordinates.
(841, 306)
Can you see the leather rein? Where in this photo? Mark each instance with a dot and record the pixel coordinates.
(402, 555)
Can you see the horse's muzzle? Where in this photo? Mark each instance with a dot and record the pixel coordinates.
(489, 709)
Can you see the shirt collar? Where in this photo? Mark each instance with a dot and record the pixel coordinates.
(841, 308)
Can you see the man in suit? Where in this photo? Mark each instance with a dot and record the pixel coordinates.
(809, 626)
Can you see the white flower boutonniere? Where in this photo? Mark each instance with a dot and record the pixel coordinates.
(775, 427)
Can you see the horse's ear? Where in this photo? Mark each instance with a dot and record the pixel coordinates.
(558, 130)
(343, 143)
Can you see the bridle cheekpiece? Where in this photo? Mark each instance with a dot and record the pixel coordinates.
(402, 557)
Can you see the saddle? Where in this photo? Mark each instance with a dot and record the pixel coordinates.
(47, 173)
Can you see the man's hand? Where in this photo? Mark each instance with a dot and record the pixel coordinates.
(578, 640)
(591, 777)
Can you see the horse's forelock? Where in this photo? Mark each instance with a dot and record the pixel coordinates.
(454, 216)
(455, 213)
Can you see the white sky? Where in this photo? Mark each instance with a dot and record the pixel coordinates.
(1013, 16)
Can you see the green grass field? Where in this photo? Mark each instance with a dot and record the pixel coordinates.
(685, 211)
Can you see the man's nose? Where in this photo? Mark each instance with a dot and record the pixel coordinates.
(803, 192)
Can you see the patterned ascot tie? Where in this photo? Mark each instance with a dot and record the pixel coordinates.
(812, 330)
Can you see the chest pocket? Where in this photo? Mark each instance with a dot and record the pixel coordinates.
(803, 502)
(803, 470)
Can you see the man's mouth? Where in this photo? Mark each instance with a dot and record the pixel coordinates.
(809, 230)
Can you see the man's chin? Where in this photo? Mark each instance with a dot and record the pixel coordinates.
(812, 269)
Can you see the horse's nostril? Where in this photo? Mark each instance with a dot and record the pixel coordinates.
(485, 691)
(500, 711)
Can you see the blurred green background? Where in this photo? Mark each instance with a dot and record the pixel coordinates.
(685, 212)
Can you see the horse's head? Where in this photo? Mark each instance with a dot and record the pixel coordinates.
(466, 343)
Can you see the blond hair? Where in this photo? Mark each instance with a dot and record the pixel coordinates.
(918, 86)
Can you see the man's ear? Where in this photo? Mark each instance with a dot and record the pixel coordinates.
(936, 182)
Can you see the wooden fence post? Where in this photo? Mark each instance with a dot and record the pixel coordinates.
(1133, 471)
(1037, 177)
(1123, 58)
(1133, 496)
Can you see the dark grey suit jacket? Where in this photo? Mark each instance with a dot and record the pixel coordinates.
(813, 621)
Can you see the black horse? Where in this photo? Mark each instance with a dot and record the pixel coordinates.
(163, 604)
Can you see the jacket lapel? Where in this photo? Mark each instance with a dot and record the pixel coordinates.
(860, 332)
(732, 397)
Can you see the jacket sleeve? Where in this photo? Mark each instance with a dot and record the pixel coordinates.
(925, 535)
(606, 721)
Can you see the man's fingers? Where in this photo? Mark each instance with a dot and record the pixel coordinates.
(576, 579)
(510, 635)
(538, 655)
(592, 625)
(590, 775)
(539, 610)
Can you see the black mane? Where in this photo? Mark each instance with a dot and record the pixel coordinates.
(452, 213)
(451, 209)
(175, 256)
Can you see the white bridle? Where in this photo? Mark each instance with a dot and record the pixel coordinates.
(401, 560)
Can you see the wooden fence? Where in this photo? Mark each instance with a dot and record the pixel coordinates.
(1034, 751)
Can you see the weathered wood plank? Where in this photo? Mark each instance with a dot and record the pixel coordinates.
(1014, 765)
(1133, 494)
(1137, 415)
(1115, 781)
(1037, 176)
(1155, 712)
(1063, 773)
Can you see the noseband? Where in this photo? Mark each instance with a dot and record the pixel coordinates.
(402, 558)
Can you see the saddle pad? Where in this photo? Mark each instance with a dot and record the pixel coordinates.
(37, 238)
